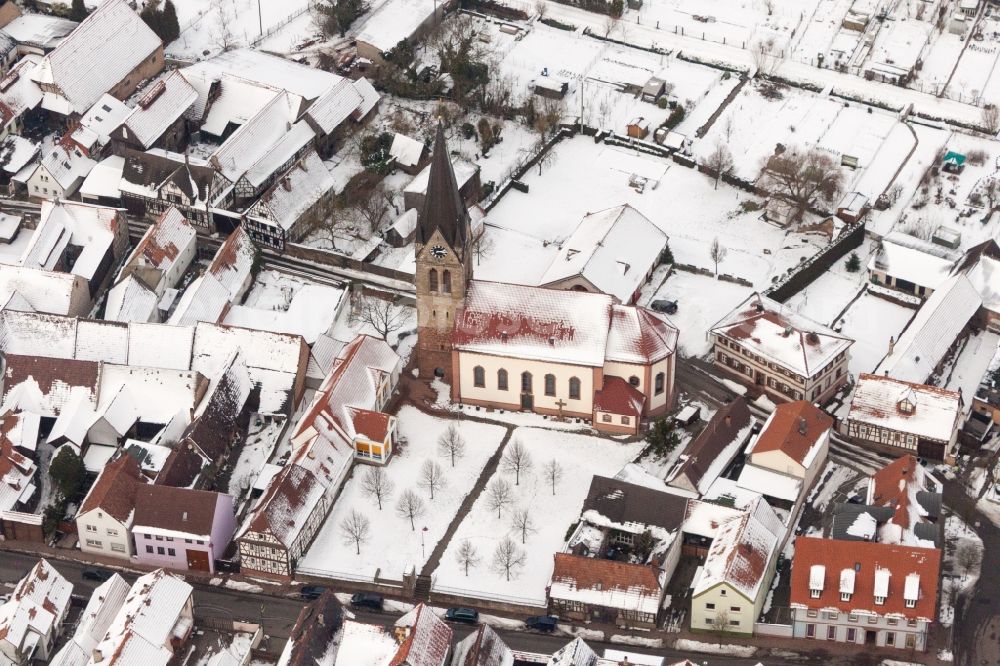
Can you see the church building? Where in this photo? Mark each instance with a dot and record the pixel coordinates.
(564, 353)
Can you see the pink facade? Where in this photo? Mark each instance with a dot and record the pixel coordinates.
(182, 550)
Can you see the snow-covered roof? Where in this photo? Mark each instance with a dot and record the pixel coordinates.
(369, 98)
(817, 574)
(295, 192)
(233, 263)
(67, 165)
(878, 400)
(932, 331)
(770, 483)
(395, 21)
(798, 429)
(464, 172)
(46, 291)
(302, 317)
(105, 48)
(335, 106)
(21, 429)
(614, 250)
(105, 602)
(985, 277)
(18, 93)
(915, 260)
(16, 152)
(40, 30)
(427, 641)
(36, 606)
(606, 583)
(237, 101)
(164, 241)
(100, 120)
(406, 223)
(205, 299)
(362, 643)
(63, 223)
(104, 179)
(254, 138)
(740, 554)
(266, 70)
(155, 610)
(406, 151)
(783, 336)
(16, 476)
(574, 327)
(704, 518)
(160, 105)
(914, 497)
(278, 155)
(158, 393)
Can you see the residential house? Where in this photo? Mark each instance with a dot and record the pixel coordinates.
(78, 238)
(31, 619)
(21, 430)
(111, 51)
(224, 282)
(276, 218)
(899, 416)
(409, 155)
(318, 625)
(483, 647)
(394, 22)
(106, 515)
(45, 291)
(345, 99)
(607, 591)
(102, 186)
(734, 581)
(181, 529)
(16, 154)
(60, 173)
(157, 179)
(781, 353)
(152, 625)
(348, 408)
(105, 602)
(614, 252)
(791, 449)
(92, 132)
(426, 639)
(707, 456)
(864, 593)
(19, 97)
(158, 119)
(17, 476)
(911, 265)
(271, 166)
(915, 498)
(981, 264)
(36, 34)
(46, 386)
(157, 263)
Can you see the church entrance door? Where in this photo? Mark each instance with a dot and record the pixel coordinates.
(527, 401)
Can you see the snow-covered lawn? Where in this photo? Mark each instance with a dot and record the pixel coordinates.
(584, 177)
(827, 296)
(715, 648)
(963, 554)
(870, 321)
(581, 457)
(393, 546)
(212, 25)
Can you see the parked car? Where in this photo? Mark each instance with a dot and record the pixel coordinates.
(368, 600)
(855, 499)
(311, 592)
(95, 573)
(466, 615)
(664, 306)
(541, 623)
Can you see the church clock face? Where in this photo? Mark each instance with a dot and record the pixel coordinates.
(438, 252)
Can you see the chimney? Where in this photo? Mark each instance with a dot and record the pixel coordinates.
(802, 426)
(892, 344)
(729, 420)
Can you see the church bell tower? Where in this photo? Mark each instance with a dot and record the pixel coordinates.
(444, 264)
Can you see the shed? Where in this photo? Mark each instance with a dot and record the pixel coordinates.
(654, 87)
(549, 86)
(638, 128)
(953, 162)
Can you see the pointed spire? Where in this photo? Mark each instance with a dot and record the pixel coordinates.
(443, 205)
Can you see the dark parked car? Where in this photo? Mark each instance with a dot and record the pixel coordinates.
(94, 573)
(664, 306)
(467, 615)
(855, 499)
(368, 600)
(541, 623)
(311, 592)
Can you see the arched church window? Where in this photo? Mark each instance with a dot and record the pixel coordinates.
(446, 281)
(433, 279)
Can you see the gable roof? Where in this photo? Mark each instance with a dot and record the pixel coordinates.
(296, 191)
(914, 497)
(158, 108)
(444, 209)
(617, 396)
(428, 641)
(713, 448)
(606, 583)
(45, 385)
(182, 510)
(483, 647)
(795, 429)
(864, 558)
(335, 105)
(915, 260)
(115, 489)
(146, 172)
(628, 504)
(876, 401)
(781, 335)
(108, 45)
(163, 242)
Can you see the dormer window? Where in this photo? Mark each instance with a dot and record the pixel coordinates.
(911, 603)
(879, 601)
(845, 596)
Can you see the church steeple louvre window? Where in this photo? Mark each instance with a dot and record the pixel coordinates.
(446, 282)
(432, 279)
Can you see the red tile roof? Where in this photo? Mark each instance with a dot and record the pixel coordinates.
(372, 425)
(427, 644)
(593, 573)
(114, 490)
(863, 557)
(891, 487)
(617, 396)
(793, 429)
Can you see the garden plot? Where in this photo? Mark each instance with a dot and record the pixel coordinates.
(939, 62)
(870, 321)
(581, 457)
(857, 131)
(208, 28)
(975, 78)
(826, 297)
(544, 51)
(737, 22)
(583, 177)
(392, 546)
(819, 30)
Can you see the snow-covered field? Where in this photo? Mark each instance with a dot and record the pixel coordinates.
(870, 321)
(584, 177)
(827, 296)
(393, 546)
(207, 26)
(581, 458)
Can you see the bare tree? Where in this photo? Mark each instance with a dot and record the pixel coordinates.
(719, 162)
(355, 529)
(522, 521)
(451, 443)
(382, 314)
(224, 18)
(547, 117)
(516, 460)
(727, 128)
(553, 471)
(721, 623)
(499, 495)
(610, 23)
(432, 477)
(769, 6)
(718, 252)
(991, 118)
(374, 209)
(803, 177)
(376, 483)
(483, 246)
(766, 57)
(541, 9)
(967, 558)
(508, 557)
(467, 556)
(410, 506)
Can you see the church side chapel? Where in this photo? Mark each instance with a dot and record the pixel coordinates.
(564, 353)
